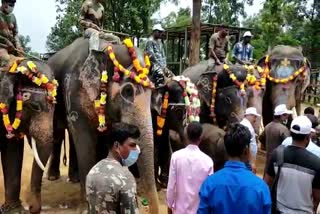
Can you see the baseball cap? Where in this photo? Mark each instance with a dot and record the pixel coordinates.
(253, 111)
(301, 125)
(157, 27)
(281, 109)
(247, 33)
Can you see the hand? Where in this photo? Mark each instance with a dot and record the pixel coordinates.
(218, 62)
(94, 26)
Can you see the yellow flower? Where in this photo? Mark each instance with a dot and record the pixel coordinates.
(103, 98)
(267, 59)
(22, 69)
(37, 81)
(116, 63)
(104, 76)
(128, 43)
(44, 79)
(226, 67)
(296, 73)
(263, 81)
(55, 82)
(277, 80)
(126, 72)
(145, 83)
(159, 132)
(19, 105)
(13, 68)
(233, 77)
(147, 61)
(16, 123)
(31, 65)
(97, 103)
(291, 77)
(6, 120)
(112, 56)
(160, 121)
(54, 93)
(2, 106)
(137, 79)
(259, 69)
(102, 120)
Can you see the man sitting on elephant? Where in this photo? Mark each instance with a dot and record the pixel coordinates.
(9, 41)
(91, 19)
(242, 52)
(154, 48)
(218, 49)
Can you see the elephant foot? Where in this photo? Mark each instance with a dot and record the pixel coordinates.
(53, 176)
(12, 208)
(74, 180)
(35, 203)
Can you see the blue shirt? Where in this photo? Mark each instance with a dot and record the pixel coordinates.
(234, 189)
(242, 51)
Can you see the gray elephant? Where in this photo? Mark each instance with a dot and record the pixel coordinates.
(79, 73)
(288, 75)
(36, 115)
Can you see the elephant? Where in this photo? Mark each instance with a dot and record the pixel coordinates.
(36, 123)
(229, 103)
(288, 75)
(79, 71)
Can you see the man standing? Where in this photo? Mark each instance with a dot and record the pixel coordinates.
(155, 50)
(275, 132)
(91, 20)
(218, 48)
(235, 189)
(242, 52)
(297, 188)
(249, 120)
(110, 186)
(9, 41)
(189, 167)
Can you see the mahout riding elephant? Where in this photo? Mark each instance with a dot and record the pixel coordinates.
(27, 94)
(288, 75)
(80, 73)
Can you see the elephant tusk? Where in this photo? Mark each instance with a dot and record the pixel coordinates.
(294, 113)
(35, 154)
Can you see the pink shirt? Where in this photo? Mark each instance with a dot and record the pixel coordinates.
(189, 168)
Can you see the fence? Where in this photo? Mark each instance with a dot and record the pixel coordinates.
(312, 93)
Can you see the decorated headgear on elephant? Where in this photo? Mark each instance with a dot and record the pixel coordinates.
(288, 75)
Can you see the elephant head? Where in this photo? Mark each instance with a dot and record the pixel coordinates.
(127, 101)
(288, 75)
(229, 102)
(37, 112)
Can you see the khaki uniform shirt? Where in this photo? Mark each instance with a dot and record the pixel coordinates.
(111, 188)
(91, 13)
(219, 45)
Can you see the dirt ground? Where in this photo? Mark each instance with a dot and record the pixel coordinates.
(63, 197)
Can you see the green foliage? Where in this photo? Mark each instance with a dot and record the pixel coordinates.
(25, 40)
(224, 11)
(132, 17)
(180, 19)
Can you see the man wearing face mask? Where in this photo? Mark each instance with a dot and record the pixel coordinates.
(110, 186)
(276, 131)
(294, 173)
(9, 42)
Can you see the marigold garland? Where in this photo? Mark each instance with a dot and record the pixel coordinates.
(191, 100)
(36, 77)
(100, 104)
(213, 96)
(233, 77)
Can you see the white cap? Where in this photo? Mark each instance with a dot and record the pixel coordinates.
(281, 109)
(253, 111)
(247, 33)
(301, 125)
(157, 27)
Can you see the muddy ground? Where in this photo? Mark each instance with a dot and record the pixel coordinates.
(63, 197)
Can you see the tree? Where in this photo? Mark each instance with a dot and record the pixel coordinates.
(224, 11)
(182, 18)
(194, 51)
(24, 41)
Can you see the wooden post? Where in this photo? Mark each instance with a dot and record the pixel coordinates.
(172, 50)
(194, 51)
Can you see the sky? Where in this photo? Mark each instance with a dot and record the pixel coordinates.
(36, 17)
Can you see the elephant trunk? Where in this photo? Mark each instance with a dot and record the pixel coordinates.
(41, 127)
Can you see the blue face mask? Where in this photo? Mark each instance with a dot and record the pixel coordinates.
(132, 157)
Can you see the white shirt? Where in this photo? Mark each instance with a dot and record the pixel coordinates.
(312, 147)
(253, 143)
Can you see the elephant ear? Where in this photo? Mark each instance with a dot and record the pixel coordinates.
(90, 74)
(204, 86)
(261, 61)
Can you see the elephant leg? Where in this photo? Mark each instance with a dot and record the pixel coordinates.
(54, 167)
(156, 163)
(73, 172)
(164, 159)
(11, 159)
(85, 140)
(44, 152)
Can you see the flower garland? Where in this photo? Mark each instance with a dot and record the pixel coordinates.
(300, 71)
(252, 80)
(101, 103)
(5, 116)
(233, 77)
(191, 101)
(161, 119)
(142, 77)
(36, 77)
(213, 96)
